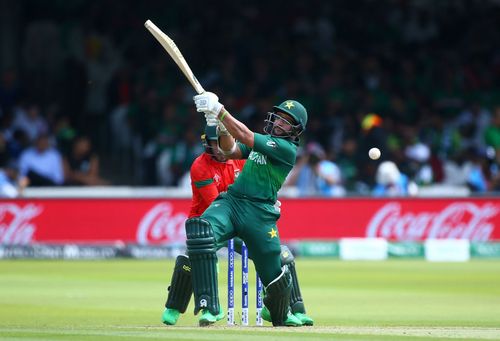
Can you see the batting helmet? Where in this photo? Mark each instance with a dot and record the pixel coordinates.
(211, 135)
(295, 110)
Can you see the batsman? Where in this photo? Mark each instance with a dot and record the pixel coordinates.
(211, 173)
(247, 209)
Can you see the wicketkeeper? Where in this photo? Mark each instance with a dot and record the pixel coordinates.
(247, 209)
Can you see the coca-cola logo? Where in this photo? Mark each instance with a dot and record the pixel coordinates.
(460, 220)
(160, 225)
(16, 226)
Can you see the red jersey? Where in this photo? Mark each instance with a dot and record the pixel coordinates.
(209, 178)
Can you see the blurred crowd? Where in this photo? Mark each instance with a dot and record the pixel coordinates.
(420, 80)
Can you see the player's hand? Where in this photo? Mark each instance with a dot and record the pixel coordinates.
(211, 119)
(208, 102)
(221, 129)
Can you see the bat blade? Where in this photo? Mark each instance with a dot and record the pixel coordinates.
(174, 52)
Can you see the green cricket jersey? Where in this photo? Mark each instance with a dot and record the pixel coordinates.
(266, 168)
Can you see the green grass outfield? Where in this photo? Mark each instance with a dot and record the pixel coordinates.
(123, 299)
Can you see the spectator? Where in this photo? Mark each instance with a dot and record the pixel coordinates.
(42, 164)
(17, 143)
(11, 184)
(30, 121)
(314, 175)
(81, 165)
(417, 155)
(64, 134)
(472, 123)
(477, 169)
(390, 182)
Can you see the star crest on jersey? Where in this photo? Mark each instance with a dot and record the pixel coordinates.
(289, 104)
(273, 233)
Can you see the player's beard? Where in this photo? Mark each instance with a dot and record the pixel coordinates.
(279, 131)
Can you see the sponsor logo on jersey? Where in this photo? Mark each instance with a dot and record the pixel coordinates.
(217, 178)
(258, 158)
(271, 144)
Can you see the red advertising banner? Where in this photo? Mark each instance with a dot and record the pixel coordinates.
(398, 220)
(154, 221)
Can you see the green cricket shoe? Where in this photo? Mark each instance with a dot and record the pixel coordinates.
(291, 320)
(207, 318)
(170, 316)
(306, 320)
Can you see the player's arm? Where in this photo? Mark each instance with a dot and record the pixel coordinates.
(229, 147)
(227, 141)
(236, 129)
(208, 193)
(203, 182)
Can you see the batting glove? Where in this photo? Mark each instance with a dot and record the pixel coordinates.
(208, 102)
(211, 119)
